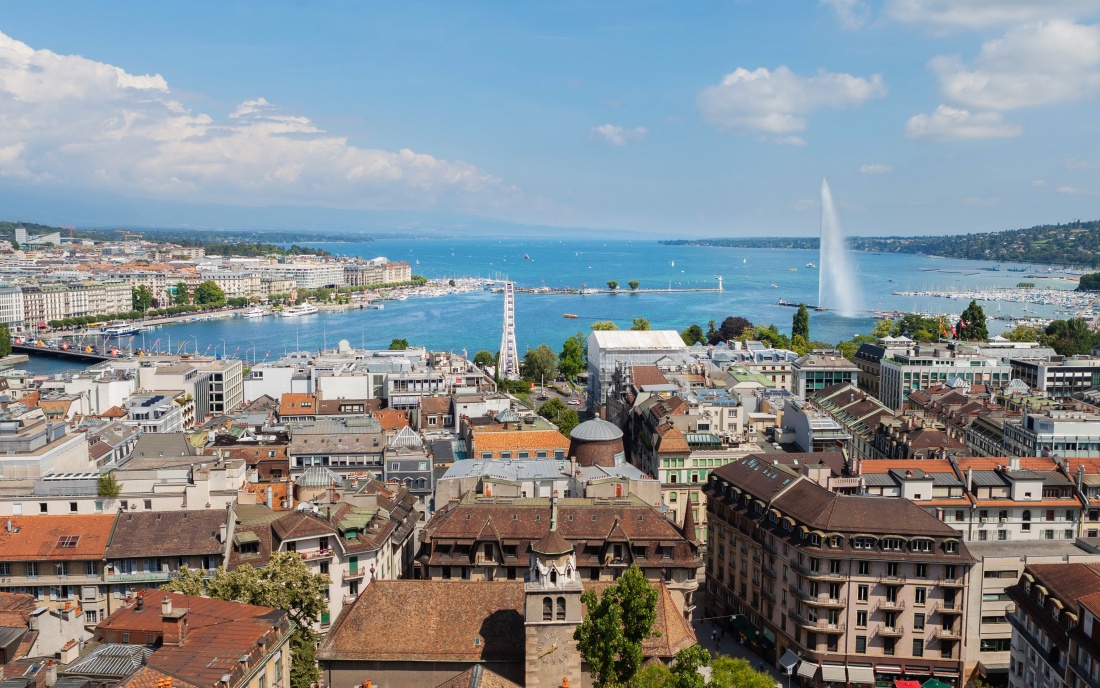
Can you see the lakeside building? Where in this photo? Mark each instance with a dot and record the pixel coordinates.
(1058, 377)
(306, 275)
(1053, 432)
(861, 589)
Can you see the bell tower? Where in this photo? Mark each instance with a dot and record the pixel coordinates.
(552, 611)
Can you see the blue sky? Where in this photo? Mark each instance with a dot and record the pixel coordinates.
(673, 118)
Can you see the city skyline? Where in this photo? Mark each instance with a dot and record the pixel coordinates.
(926, 116)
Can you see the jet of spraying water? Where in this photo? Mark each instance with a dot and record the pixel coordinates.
(836, 288)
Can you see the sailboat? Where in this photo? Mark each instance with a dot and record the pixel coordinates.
(672, 264)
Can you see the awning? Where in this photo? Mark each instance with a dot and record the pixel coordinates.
(887, 669)
(907, 684)
(833, 673)
(861, 674)
(742, 624)
(935, 683)
(789, 660)
(807, 670)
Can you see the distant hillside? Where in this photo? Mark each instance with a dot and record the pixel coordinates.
(217, 239)
(1075, 244)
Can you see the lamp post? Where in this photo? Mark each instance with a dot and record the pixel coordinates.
(224, 354)
(253, 350)
(196, 338)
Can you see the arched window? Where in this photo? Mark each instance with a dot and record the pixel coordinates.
(547, 609)
(561, 609)
(553, 577)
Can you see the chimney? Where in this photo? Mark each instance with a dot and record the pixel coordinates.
(51, 673)
(367, 684)
(1014, 463)
(970, 480)
(1081, 477)
(270, 499)
(173, 622)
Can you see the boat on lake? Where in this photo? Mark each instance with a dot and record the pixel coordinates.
(256, 312)
(304, 309)
(120, 330)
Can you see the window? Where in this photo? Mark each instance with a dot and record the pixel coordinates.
(888, 646)
(920, 595)
(959, 515)
(861, 644)
(922, 570)
(72, 507)
(148, 505)
(68, 541)
(547, 609)
(561, 609)
(951, 547)
(862, 593)
(861, 619)
(864, 568)
(43, 508)
(918, 648)
(918, 622)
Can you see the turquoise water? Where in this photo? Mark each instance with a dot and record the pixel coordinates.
(472, 321)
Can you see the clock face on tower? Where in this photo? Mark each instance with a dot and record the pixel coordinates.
(550, 648)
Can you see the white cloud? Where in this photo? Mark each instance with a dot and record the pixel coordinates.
(72, 121)
(618, 136)
(1039, 182)
(1075, 191)
(852, 14)
(1032, 64)
(980, 202)
(776, 102)
(973, 14)
(948, 123)
(1077, 165)
(876, 168)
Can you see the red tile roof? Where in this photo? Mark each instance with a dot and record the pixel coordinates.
(56, 538)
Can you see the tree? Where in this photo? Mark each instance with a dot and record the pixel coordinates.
(399, 344)
(633, 284)
(685, 670)
(450, 283)
(612, 285)
(771, 336)
(106, 485)
(5, 340)
(731, 329)
(485, 358)
(799, 345)
(692, 335)
(604, 325)
(800, 324)
(209, 295)
(640, 323)
(560, 415)
(1089, 282)
(1023, 333)
(540, 363)
(187, 582)
(182, 297)
(611, 634)
(141, 298)
(885, 328)
(971, 325)
(1070, 337)
(286, 583)
(572, 361)
(727, 672)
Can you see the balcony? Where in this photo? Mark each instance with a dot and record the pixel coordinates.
(482, 559)
(357, 574)
(956, 582)
(349, 599)
(316, 554)
(139, 576)
(895, 579)
(611, 560)
(946, 634)
(767, 571)
(894, 631)
(768, 595)
(953, 607)
(819, 625)
(889, 605)
(769, 548)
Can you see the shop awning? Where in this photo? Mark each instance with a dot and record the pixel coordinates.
(861, 674)
(907, 684)
(789, 660)
(887, 669)
(742, 624)
(833, 673)
(807, 670)
(935, 683)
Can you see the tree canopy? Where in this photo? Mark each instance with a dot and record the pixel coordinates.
(398, 344)
(1070, 337)
(800, 324)
(692, 335)
(141, 298)
(731, 329)
(555, 411)
(1089, 282)
(572, 360)
(485, 358)
(209, 295)
(605, 325)
(633, 284)
(182, 295)
(640, 323)
(540, 363)
(5, 340)
(971, 326)
(611, 634)
(612, 285)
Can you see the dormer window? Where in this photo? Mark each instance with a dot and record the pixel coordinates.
(834, 541)
(951, 547)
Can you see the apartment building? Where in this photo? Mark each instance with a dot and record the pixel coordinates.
(1058, 377)
(862, 589)
(489, 538)
(858, 413)
(1052, 637)
(926, 365)
(820, 369)
(235, 283)
(307, 275)
(1053, 432)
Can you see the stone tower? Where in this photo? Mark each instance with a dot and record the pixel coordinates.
(552, 611)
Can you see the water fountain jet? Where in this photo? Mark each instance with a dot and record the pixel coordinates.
(836, 288)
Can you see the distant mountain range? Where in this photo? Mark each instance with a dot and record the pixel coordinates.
(1074, 244)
